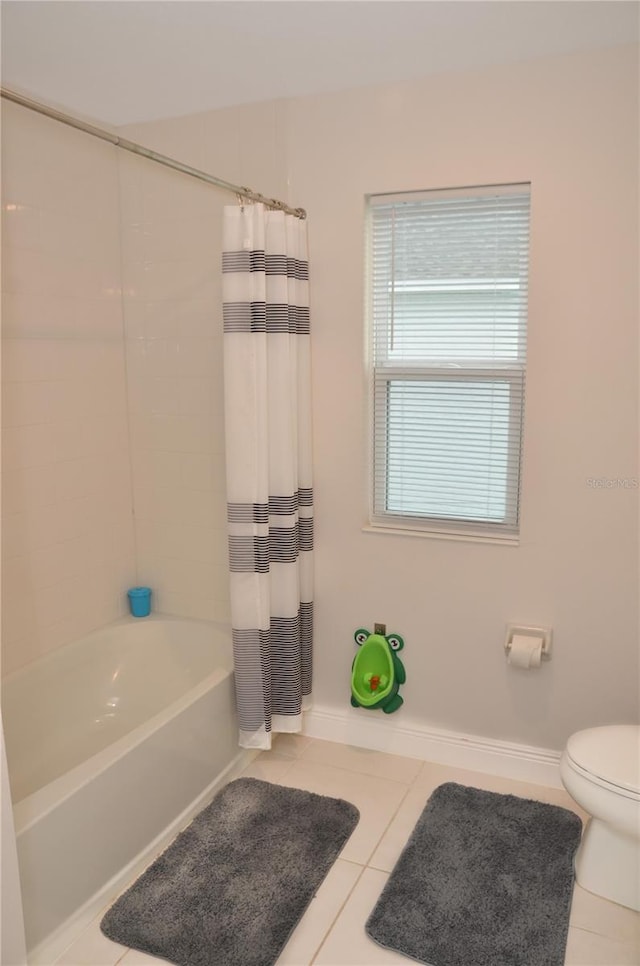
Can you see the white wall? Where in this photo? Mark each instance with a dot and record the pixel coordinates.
(570, 126)
(67, 533)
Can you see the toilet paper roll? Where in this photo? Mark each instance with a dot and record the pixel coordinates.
(525, 651)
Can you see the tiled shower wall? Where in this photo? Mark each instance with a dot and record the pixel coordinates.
(112, 375)
(171, 237)
(67, 531)
(171, 257)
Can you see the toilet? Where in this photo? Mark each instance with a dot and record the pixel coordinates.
(600, 768)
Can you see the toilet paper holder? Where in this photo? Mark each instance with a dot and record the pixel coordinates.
(540, 633)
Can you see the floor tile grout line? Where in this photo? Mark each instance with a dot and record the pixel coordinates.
(354, 771)
(286, 770)
(351, 768)
(384, 832)
(362, 866)
(302, 757)
(338, 913)
(603, 935)
(125, 953)
(97, 919)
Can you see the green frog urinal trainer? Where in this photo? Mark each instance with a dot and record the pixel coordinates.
(377, 672)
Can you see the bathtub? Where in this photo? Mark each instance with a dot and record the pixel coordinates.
(113, 743)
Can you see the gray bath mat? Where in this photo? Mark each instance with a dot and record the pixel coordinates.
(484, 880)
(232, 887)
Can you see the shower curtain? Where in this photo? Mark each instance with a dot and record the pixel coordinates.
(268, 460)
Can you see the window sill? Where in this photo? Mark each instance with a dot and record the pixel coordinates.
(510, 540)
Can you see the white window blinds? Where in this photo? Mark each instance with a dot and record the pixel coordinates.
(448, 312)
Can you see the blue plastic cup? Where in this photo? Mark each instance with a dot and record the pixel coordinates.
(139, 601)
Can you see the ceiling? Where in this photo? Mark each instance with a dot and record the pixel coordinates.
(121, 61)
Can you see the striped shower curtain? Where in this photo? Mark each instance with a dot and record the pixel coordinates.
(268, 457)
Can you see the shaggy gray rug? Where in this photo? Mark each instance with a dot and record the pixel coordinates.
(484, 880)
(232, 887)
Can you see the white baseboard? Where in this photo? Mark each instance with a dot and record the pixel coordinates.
(473, 752)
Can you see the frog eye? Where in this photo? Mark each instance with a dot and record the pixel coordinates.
(395, 642)
(361, 635)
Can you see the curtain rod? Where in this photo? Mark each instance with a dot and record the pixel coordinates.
(134, 148)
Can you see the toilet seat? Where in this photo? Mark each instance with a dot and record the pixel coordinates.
(608, 757)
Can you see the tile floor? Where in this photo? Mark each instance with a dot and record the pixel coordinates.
(390, 792)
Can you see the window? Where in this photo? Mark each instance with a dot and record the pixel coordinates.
(448, 311)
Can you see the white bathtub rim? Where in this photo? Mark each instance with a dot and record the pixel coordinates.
(55, 944)
(34, 807)
(127, 621)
